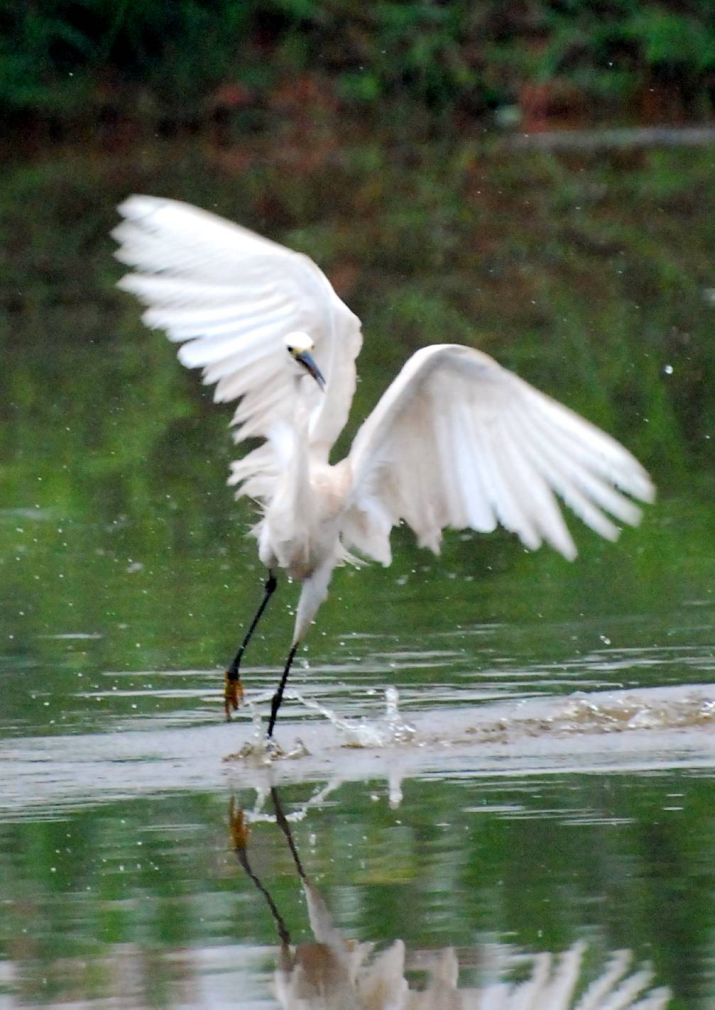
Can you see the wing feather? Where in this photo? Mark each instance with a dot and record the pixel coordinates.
(458, 441)
(550, 520)
(230, 297)
(476, 479)
(581, 487)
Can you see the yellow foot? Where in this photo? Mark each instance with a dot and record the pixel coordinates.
(232, 694)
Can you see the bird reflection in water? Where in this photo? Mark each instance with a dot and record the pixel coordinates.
(338, 973)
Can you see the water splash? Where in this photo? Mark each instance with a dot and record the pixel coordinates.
(359, 733)
(261, 750)
(389, 730)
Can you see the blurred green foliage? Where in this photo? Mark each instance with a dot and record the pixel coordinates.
(167, 58)
(616, 49)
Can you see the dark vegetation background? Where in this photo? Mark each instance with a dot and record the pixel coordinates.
(181, 63)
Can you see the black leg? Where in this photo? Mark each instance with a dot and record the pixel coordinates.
(233, 691)
(278, 696)
(239, 838)
(283, 824)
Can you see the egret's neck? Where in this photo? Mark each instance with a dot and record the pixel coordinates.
(302, 388)
(290, 442)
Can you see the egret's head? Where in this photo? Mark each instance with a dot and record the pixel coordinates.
(301, 347)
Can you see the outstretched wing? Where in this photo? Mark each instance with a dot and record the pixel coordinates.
(458, 441)
(230, 297)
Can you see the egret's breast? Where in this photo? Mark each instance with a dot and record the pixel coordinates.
(300, 532)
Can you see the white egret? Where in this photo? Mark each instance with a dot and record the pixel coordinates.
(456, 441)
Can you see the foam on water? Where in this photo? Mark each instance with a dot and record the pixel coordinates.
(605, 712)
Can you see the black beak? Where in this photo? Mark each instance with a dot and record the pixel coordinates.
(308, 362)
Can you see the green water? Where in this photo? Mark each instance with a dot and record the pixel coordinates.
(126, 576)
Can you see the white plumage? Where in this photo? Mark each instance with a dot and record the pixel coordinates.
(456, 441)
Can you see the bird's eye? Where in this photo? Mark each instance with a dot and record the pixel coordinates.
(291, 350)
